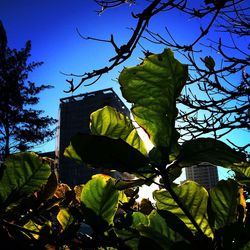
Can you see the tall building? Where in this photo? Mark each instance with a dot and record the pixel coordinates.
(74, 117)
(204, 174)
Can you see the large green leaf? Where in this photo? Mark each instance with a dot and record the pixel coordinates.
(108, 122)
(176, 224)
(130, 237)
(158, 223)
(145, 229)
(194, 197)
(209, 150)
(100, 199)
(105, 152)
(159, 240)
(21, 175)
(242, 172)
(224, 201)
(153, 87)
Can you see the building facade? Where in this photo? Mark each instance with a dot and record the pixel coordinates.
(204, 174)
(74, 117)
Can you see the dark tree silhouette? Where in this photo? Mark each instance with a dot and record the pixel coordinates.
(216, 98)
(21, 126)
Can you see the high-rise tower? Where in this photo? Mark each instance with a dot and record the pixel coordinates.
(74, 117)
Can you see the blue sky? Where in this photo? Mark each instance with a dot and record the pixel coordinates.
(51, 26)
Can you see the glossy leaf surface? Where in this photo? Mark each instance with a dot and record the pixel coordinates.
(194, 197)
(108, 122)
(99, 199)
(152, 87)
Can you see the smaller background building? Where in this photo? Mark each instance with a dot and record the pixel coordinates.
(204, 174)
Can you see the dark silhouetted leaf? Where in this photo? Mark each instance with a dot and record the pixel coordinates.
(104, 152)
(158, 223)
(124, 184)
(159, 240)
(176, 224)
(209, 150)
(108, 122)
(209, 62)
(131, 237)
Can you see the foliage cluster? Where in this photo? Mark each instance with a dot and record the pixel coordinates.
(21, 126)
(39, 213)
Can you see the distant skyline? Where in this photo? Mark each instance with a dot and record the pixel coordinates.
(51, 26)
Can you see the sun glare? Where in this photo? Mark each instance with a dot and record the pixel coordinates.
(146, 192)
(143, 135)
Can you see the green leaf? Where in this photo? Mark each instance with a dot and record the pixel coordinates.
(65, 218)
(100, 199)
(176, 224)
(224, 201)
(139, 230)
(139, 218)
(242, 172)
(105, 152)
(158, 223)
(130, 237)
(21, 175)
(153, 87)
(108, 122)
(209, 150)
(159, 240)
(194, 197)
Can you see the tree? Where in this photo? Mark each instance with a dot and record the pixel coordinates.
(21, 126)
(215, 100)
